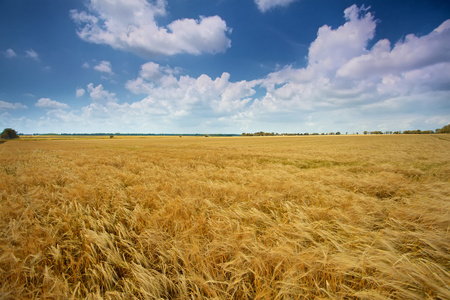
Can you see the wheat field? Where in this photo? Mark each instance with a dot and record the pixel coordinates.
(318, 217)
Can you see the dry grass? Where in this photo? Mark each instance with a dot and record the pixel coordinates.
(357, 217)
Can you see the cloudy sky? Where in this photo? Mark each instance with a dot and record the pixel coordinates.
(224, 66)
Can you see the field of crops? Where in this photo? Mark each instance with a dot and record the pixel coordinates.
(318, 217)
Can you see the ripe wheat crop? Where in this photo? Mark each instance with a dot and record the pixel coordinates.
(319, 217)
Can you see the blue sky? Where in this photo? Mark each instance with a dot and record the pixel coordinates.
(224, 66)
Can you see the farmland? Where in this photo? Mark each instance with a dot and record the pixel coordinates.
(334, 217)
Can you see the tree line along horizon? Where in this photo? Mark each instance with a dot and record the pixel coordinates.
(9, 133)
(445, 129)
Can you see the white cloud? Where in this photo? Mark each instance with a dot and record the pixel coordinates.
(322, 96)
(150, 71)
(409, 54)
(327, 53)
(10, 53)
(334, 47)
(130, 25)
(8, 105)
(152, 74)
(265, 5)
(99, 94)
(80, 93)
(186, 95)
(85, 65)
(344, 78)
(48, 103)
(104, 67)
(32, 54)
(345, 86)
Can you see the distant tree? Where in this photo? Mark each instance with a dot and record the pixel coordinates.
(111, 136)
(427, 131)
(445, 129)
(365, 132)
(418, 131)
(9, 134)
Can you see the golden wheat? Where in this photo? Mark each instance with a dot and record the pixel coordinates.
(338, 217)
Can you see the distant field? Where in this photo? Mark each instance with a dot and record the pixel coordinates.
(332, 217)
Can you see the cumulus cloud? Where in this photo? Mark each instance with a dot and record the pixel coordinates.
(104, 67)
(8, 105)
(342, 74)
(185, 94)
(150, 76)
(334, 47)
(411, 53)
(80, 93)
(130, 25)
(344, 84)
(343, 79)
(32, 54)
(48, 103)
(10, 53)
(151, 71)
(99, 94)
(265, 5)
